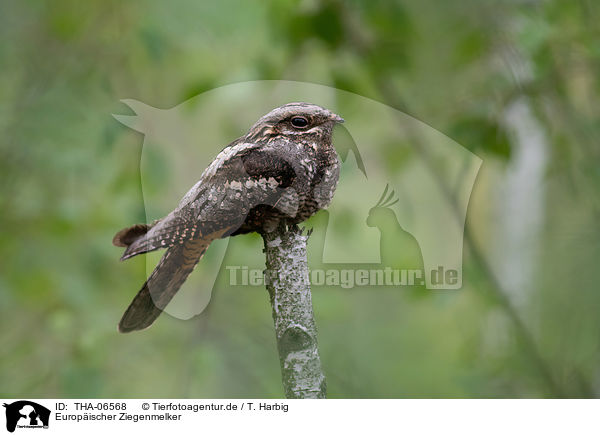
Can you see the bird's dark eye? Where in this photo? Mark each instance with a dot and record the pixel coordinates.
(299, 121)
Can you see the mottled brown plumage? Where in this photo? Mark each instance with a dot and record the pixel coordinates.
(284, 168)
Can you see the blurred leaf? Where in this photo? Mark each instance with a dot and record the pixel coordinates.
(480, 134)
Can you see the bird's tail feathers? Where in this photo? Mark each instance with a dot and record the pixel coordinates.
(166, 279)
(137, 240)
(127, 236)
(164, 233)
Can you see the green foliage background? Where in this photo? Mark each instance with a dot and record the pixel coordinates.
(70, 178)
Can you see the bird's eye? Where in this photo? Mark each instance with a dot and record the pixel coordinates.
(299, 121)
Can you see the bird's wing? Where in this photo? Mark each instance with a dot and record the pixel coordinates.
(241, 177)
(252, 176)
(214, 208)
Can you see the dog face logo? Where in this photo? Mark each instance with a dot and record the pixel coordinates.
(26, 414)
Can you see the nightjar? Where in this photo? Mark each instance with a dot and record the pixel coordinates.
(283, 170)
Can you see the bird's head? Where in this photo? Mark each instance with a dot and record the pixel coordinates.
(295, 121)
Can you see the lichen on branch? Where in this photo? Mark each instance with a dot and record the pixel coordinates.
(286, 279)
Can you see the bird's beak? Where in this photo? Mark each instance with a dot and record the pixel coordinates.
(336, 118)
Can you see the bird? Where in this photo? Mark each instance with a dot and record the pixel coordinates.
(398, 248)
(282, 171)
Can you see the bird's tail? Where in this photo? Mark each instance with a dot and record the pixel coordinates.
(166, 279)
(135, 240)
(163, 233)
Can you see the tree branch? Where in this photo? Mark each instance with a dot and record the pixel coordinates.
(286, 279)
